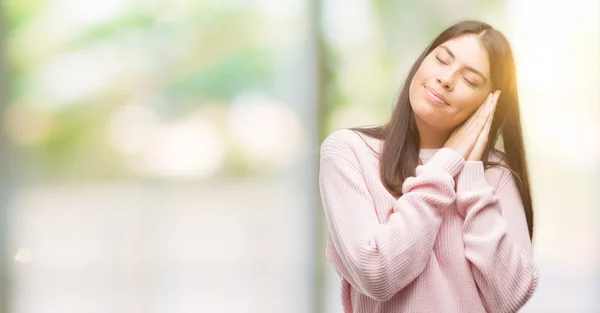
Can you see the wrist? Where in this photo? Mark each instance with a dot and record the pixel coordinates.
(471, 176)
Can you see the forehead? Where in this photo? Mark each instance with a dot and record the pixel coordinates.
(470, 51)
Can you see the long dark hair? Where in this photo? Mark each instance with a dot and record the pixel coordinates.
(400, 154)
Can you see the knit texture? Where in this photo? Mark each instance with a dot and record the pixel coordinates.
(456, 241)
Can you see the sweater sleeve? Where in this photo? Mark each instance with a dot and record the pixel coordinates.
(496, 238)
(381, 259)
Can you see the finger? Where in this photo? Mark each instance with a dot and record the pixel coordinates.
(495, 102)
(479, 114)
(479, 118)
(480, 139)
(486, 129)
(490, 117)
(491, 105)
(494, 98)
(482, 115)
(481, 110)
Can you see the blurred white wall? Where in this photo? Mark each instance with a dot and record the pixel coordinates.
(557, 47)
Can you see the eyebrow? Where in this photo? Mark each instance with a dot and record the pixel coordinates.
(467, 66)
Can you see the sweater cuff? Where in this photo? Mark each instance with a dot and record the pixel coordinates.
(446, 160)
(472, 177)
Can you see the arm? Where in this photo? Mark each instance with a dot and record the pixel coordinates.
(381, 259)
(496, 238)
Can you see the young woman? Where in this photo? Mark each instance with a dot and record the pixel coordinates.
(424, 214)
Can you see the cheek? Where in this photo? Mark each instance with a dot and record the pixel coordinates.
(424, 70)
(466, 106)
(416, 79)
(415, 83)
(461, 117)
(469, 100)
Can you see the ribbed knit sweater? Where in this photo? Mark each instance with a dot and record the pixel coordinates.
(455, 241)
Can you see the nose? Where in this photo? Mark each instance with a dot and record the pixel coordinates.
(445, 79)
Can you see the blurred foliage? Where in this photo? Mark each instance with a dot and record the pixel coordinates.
(227, 78)
(207, 52)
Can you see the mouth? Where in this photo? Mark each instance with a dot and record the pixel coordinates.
(435, 96)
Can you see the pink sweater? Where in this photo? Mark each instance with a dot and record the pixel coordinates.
(456, 241)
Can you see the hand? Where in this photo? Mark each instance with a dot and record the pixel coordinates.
(477, 151)
(466, 136)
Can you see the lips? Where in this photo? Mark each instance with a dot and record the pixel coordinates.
(435, 96)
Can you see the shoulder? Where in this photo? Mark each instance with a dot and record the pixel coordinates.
(497, 156)
(348, 143)
(340, 139)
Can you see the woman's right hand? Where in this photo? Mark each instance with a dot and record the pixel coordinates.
(464, 137)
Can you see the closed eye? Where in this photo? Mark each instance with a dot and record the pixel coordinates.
(469, 82)
(440, 60)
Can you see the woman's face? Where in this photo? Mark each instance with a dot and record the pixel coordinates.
(451, 83)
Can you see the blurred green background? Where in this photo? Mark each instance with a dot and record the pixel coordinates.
(162, 156)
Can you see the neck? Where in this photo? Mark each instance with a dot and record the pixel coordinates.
(430, 138)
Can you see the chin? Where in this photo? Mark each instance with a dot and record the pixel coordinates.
(424, 110)
(428, 115)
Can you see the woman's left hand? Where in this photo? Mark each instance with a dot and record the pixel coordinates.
(477, 151)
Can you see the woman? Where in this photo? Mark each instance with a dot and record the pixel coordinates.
(424, 214)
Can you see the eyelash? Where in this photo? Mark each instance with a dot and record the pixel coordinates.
(466, 80)
(469, 82)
